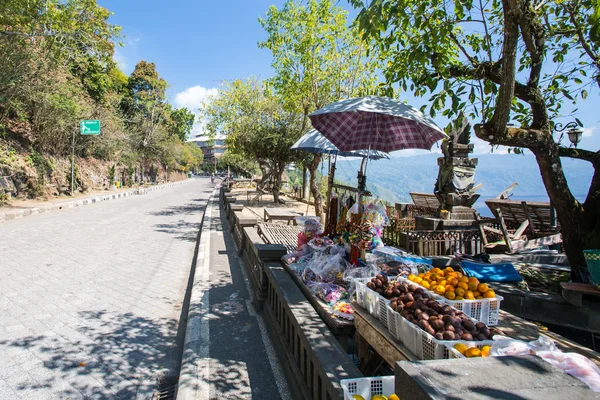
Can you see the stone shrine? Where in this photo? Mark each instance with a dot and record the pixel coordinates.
(455, 185)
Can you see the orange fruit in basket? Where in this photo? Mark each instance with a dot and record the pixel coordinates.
(473, 352)
(393, 397)
(439, 289)
(411, 277)
(476, 293)
(459, 298)
(461, 348)
(473, 279)
(482, 288)
(473, 286)
(449, 288)
(425, 284)
(450, 295)
(469, 295)
(463, 286)
(479, 298)
(485, 350)
(418, 279)
(463, 279)
(460, 291)
(453, 282)
(449, 269)
(490, 294)
(458, 274)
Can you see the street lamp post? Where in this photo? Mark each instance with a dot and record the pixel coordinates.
(574, 132)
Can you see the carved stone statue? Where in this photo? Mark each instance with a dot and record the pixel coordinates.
(455, 182)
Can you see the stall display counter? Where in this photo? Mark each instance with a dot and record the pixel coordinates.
(371, 334)
(341, 328)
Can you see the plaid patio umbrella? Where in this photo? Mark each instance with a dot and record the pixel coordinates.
(376, 123)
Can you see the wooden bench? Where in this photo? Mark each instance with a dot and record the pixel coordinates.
(426, 200)
(287, 235)
(573, 292)
(523, 225)
(279, 214)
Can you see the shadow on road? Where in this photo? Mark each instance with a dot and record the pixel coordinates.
(111, 356)
(186, 209)
(184, 230)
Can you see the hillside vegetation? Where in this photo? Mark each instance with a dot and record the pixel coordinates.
(56, 69)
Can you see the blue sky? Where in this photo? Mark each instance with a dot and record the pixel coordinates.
(196, 44)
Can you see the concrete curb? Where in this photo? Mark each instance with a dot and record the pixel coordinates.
(191, 384)
(7, 216)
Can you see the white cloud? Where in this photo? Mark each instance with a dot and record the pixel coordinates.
(587, 132)
(193, 98)
(132, 42)
(121, 60)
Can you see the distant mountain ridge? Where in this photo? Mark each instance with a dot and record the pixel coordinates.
(394, 179)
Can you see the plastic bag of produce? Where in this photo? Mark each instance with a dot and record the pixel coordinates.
(326, 268)
(350, 274)
(576, 365)
(330, 293)
(505, 346)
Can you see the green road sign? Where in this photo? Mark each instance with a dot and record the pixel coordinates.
(89, 127)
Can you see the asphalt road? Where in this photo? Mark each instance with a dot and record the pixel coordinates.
(91, 298)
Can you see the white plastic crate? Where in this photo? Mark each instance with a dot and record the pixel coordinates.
(417, 341)
(453, 353)
(368, 387)
(361, 287)
(483, 310)
(370, 298)
(382, 313)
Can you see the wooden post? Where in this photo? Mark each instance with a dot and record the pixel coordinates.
(531, 225)
(504, 230)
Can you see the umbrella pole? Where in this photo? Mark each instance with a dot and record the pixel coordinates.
(330, 182)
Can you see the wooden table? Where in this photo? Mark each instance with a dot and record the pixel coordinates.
(280, 214)
(286, 235)
(371, 334)
(254, 196)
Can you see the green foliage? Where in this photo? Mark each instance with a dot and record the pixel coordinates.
(111, 174)
(450, 51)
(237, 164)
(317, 59)
(57, 68)
(181, 123)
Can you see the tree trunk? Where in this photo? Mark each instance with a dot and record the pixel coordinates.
(266, 174)
(568, 210)
(314, 186)
(305, 186)
(277, 171)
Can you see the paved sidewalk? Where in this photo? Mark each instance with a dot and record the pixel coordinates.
(228, 352)
(91, 297)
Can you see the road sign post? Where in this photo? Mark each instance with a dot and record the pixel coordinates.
(86, 127)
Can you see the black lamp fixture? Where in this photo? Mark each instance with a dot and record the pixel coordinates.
(574, 131)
